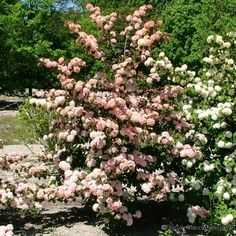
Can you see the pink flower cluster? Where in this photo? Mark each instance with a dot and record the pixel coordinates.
(74, 66)
(87, 40)
(105, 139)
(145, 34)
(6, 230)
(104, 22)
(200, 211)
(186, 151)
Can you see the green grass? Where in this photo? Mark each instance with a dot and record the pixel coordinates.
(12, 131)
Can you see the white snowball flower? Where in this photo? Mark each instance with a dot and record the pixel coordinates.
(153, 70)
(197, 186)
(223, 125)
(191, 220)
(228, 169)
(95, 207)
(226, 196)
(219, 39)
(230, 218)
(162, 54)
(221, 144)
(227, 44)
(211, 166)
(72, 103)
(189, 164)
(216, 126)
(224, 221)
(231, 92)
(219, 189)
(233, 191)
(228, 145)
(214, 117)
(230, 62)
(184, 162)
(161, 63)
(141, 42)
(210, 38)
(227, 111)
(149, 80)
(197, 80)
(208, 74)
(228, 134)
(198, 88)
(217, 88)
(168, 66)
(172, 196)
(184, 67)
(206, 168)
(205, 191)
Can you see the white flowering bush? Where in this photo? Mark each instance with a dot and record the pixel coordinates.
(208, 104)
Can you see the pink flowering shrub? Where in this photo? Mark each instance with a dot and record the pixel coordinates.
(113, 138)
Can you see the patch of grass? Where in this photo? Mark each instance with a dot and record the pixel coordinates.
(12, 131)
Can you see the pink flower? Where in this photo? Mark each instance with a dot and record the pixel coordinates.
(150, 122)
(116, 205)
(76, 69)
(63, 165)
(156, 36)
(70, 138)
(201, 211)
(187, 153)
(201, 137)
(130, 221)
(60, 100)
(89, 6)
(119, 81)
(149, 24)
(138, 214)
(129, 18)
(101, 125)
(146, 187)
(68, 173)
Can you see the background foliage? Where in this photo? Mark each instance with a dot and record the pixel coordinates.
(32, 29)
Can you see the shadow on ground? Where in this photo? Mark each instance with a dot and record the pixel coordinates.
(9, 105)
(154, 217)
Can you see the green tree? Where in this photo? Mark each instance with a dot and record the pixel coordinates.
(30, 30)
(189, 22)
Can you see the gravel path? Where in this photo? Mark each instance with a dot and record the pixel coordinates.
(8, 113)
(30, 150)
